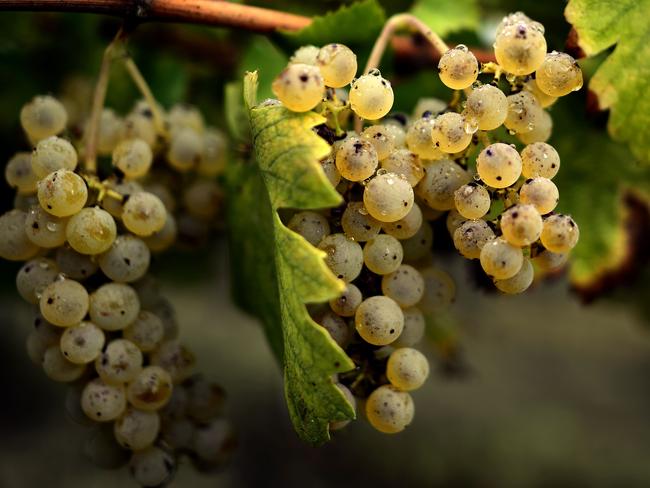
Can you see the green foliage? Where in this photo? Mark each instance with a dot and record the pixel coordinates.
(445, 16)
(268, 60)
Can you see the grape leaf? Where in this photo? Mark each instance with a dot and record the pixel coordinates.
(445, 16)
(624, 77)
(278, 271)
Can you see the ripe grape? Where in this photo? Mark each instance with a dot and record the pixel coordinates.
(300, 87)
(152, 467)
(161, 240)
(413, 330)
(144, 213)
(212, 444)
(454, 221)
(560, 233)
(347, 302)
(58, 368)
(389, 410)
(458, 68)
(75, 265)
(82, 343)
(396, 133)
(499, 165)
(521, 225)
(388, 197)
(518, 283)
(111, 132)
(64, 302)
(487, 107)
(543, 99)
(337, 64)
(540, 159)
(331, 171)
(127, 188)
(371, 96)
(133, 157)
(343, 256)
(52, 154)
(185, 149)
(14, 242)
(91, 231)
(151, 389)
(406, 227)
(127, 259)
(558, 75)
(175, 359)
(520, 47)
(549, 261)
(119, 363)
(540, 192)
(381, 139)
(114, 306)
(471, 236)
(472, 201)
(419, 139)
(43, 336)
(215, 151)
(34, 276)
(146, 331)
(524, 113)
(500, 259)
(379, 320)
(20, 175)
(383, 254)
(356, 159)
(43, 229)
(184, 116)
(337, 328)
(541, 131)
(136, 429)
(407, 369)
(62, 193)
(305, 55)
(311, 225)
(449, 132)
(418, 246)
(103, 402)
(439, 290)
(404, 163)
(140, 126)
(441, 180)
(358, 224)
(205, 400)
(405, 285)
(42, 117)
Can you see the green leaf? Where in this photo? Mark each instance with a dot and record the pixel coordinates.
(268, 60)
(623, 79)
(235, 112)
(445, 16)
(278, 271)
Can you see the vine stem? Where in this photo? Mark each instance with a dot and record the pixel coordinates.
(143, 87)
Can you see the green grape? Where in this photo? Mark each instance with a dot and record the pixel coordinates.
(558, 75)
(62, 193)
(52, 154)
(541, 193)
(205, 400)
(524, 113)
(45, 230)
(407, 369)
(164, 238)
(379, 320)
(520, 47)
(550, 261)
(114, 306)
(184, 116)
(136, 429)
(472, 201)
(103, 402)
(458, 68)
(174, 358)
(500, 259)
(406, 164)
(152, 467)
(439, 290)
(305, 55)
(119, 363)
(413, 330)
(58, 368)
(340, 424)
(418, 246)
(441, 179)
(343, 256)
(20, 175)
(111, 132)
(389, 410)
(75, 265)
(133, 157)
(471, 236)
(419, 139)
(521, 225)
(185, 149)
(358, 224)
(144, 213)
(388, 197)
(91, 231)
(331, 171)
(487, 107)
(454, 221)
(405, 285)
(540, 159)
(449, 132)
(203, 199)
(162, 191)
(14, 242)
(519, 282)
(64, 303)
(82, 343)
(127, 259)
(346, 303)
(215, 151)
(34, 276)
(140, 126)
(383, 254)
(371, 96)
(396, 133)
(146, 331)
(543, 99)
(541, 131)
(356, 159)
(43, 336)
(337, 64)
(151, 389)
(42, 117)
(126, 189)
(337, 328)
(406, 227)
(300, 87)
(381, 140)
(560, 233)
(499, 165)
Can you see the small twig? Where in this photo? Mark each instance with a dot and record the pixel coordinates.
(143, 87)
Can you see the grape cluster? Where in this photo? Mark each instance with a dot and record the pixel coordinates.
(397, 174)
(101, 325)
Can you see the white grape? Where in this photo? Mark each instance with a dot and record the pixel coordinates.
(472, 201)
(383, 254)
(358, 224)
(414, 326)
(407, 369)
(174, 358)
(58, 368)
(133, 157)
(119, 363)
(558, 75)
(337, 64)
(300, 87)
(103, 402)
(439, 290)
(541, 193)
(305, 55)
(388, 197)
(114, 306)
(146, 331)
(64, 302)
(62, 193)
(126, 260)
(44, 229)
(419, 139)
(111, 131)
(215, 151)
(371, 96)
(389, 410)
(34, 276)
(541, 131)
(560, 233)
(20, 175)
(406, 164)
(43, 336)
(52, 154)
(518, 283)
(379, 320)
(337, 328)
(75, 265)
(339, 424)
(82, 343)
(521, 225)
(520, 47)
(449, 132)
(540, 159)
(381, 139)
(487, 107)
(152, 467)
(407, 226)
(151, 389)
(42, 117)
(144, 213)
(499, 165)
(346, 303)
(471, 236)
(405, 285)
(14, 242)
(356, 159)
(458, 68)
(441, 180)
(524, 113)
(343, 256)
(136, 429)
(91, 231)
(500, 259)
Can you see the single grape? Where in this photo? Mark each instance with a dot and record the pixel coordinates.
(144, 213)
(91, 231)
(558, 75)
(449, 132)
(418, 246)
(441, 180)
(58, 368)
(358, 224)
(405, 285)
(337, 64)
(164, 238)
(388, 197)
(429, 106)
(347, 303)
(14, 242)
(337, 328)
(472, 201)
(174, 358)
(521, 225)
(43, 229)
(487, 107)
(152, 467)
(540, 159)
(560, 233)
(340, 424)
(550, 261)
(471, 236)
(379, 320)
(127, 259)
(127, 188)
(305, 55)
(203, 199)
(541, 131)
(111, 132)
(331, 171)
(406, 164)
(383, 254)
(185, 150)
(396, 133)
(458, 68)
(413, 331)
(300, 87)
(146, 331)
(407, 369)
(151, 389)
(215, 151)
(406, 227)
(389, 410)
(541, 193)
(419, 139)
(34, 276)
(52, 154)
(205, 400)
(41, 337)
(543, 99)
(499, 165)
(82, 343)
(140, 126)
(343, 256)
(381, 140)
(371, 96)
(212, 443)
(20, 175)
(165, 312)
(311, 225)
(454, 221)
(133, 157)
(62, 193)
(114, 306)
(524, 113)
(519, 282)
(42, 117)
(137, 429)
(119, 363)
(512, 19)
(64, 302)
(75, 265)
(103, 402)
(520, 47)
(500, 259)
(356, 159)
(185, 116)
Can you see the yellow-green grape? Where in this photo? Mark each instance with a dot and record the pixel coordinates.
(454, 221)
(520, 47)
(146, 331)
(215, 151)
(340, 424)
(558, 75)
(64, 303)
(450, 132)
(521, 225)
(144, 213)
(471, 236)
(43, 336)
(381, 140)
(419, 139)
(389, 410)
(458, 68)
(58, 368)
(140, 126)
(499, 165)
(111, 132)
(176, 359)
(103, 402)
(500, 259)
(371, 96)
(42, 117)
(560, 233)
(45, 230)
(127, 188)
(119, 363)
(337, 64)
(487, 107)
(543, 99)
(299, 87)
(20, 175)
(152, 467)
(472, 201)
(388, 197)
(356, 159)
(91, 231)
(428, 106)
(404, 163)
(203, 199)
(539, 159)
(541, 193)
(151, 389)
(396, 133)
(305, 55)
(343, 256)
(346, 303)
(62, 193)
(14, 243)
(441, 180)
(52, 154)
(512, 19)
(185, 149)
(82, 343)
(133, 157)
(75, 265)
(519, 282)
(34, 276)
(405, 285)
(418, 246)
(383, 254)
(550, 261)
(407, 369)
(114, 306)
(406, 227)
(337, 328)
(439, 290)
(331, 171)
(358, 224)
(541, 131)
(524, 113)
(137, 429)
(413, 330)
(379, 320)
(311, 225)
(126, 260)
(205, 400)
(184, 116)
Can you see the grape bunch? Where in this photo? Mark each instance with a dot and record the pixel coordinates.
(87, 239)
(397, 174)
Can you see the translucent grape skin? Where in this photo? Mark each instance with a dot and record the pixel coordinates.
(541, 131)
(441, 180)
(458, 68)
(414, 326)
(119, 363)
(311, 225)
(62, 193)
(144, 213)
(103, 402)
(64, 303)
(133, 157)
(52, 154)
(540, 159)
(111, 131)
(91, 231)
(500, 259)
(114, 306)
(389, 410)
(14, 242)
(520, 282)
(42, 117)
(520, 47)
(487, 106)
(405, 285)
(75, 265)
(543, 99)
(550, 261)
(521, 225)
(185, 150)
(300, 87)
(34, 276)
(305, 55)
(358, 224)
(405, 163)
(541, 193)
(558, 75)
(337, 328)
(344, 256)
(419, 245)
(126, 260)
(20, 175)
(380, 138)
(449, 132)
(560, 233)
(383, 254)
(524, 113)
(471, 236)
(356, 159)
(406, 227)
(146, 331)
(346, 304)
(176, 359)
(82, 343)
(472, 201)
(407, 369)
(371, 96)
(151, 389)
(331, 172)
(388, 197)
(152, 467)
(499, 165)
(137, 429)
(419, 141)
(337, 64)
(43, 229)
(379, 320)
(58, 368)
